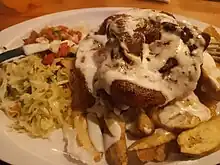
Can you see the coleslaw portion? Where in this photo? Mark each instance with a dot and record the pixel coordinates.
(36, 96)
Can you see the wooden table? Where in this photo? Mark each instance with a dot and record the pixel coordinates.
(12, 12)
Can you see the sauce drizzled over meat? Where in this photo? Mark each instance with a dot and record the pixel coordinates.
(148, 48)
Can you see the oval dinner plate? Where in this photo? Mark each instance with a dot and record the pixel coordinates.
(19, 149)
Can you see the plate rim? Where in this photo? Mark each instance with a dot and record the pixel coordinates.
(213, 158)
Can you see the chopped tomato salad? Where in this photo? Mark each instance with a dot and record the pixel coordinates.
(49, 34)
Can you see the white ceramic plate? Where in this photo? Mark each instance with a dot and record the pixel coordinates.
(19, 149)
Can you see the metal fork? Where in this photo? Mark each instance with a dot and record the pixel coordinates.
(214, 50)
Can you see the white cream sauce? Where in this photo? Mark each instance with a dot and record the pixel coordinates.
(87, 49)
(147, 130)
(115, 130)
(140, 13)
(109, 140)
(42, 40)
(137, 74)
(190, 104)
(95, 133)
(144, 73)
(79, 153)
(113, 127)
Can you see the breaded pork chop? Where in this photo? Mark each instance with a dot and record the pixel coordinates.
(133, 95)
(146, 58)
(81, 97)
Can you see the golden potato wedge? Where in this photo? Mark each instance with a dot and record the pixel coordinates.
(141, 125)
(131, 128)
(144, 124)
(181, 115)
(209, 81)
(116, 154)
(202, 139)
(212, 32)
(159, 137)
(153, 115)
(158, 153)
(82, 137)
(176, 123)
(130, 117)
(207, 101)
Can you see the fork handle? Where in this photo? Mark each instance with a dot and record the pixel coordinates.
(11, 54)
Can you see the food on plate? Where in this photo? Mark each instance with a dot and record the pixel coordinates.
(83, 137)
(158, 153)
(213, 48)
(95, 133)
(159, 137)
(202, 139)
(115, 142)
(142, 82)
(212, 32)
(63, 41)
(127, 57)
(184, 114)
(81, 97)
(35, 96)
(49, 34)
(141, 125)
(210, 79)
(207, 101)
(35, 90)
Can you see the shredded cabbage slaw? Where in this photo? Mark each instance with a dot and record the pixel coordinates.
(36, 96)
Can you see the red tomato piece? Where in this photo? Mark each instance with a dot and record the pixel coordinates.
(32, 38)
(50, 34)
(61, 27)
(63, 50)
(48, 59)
